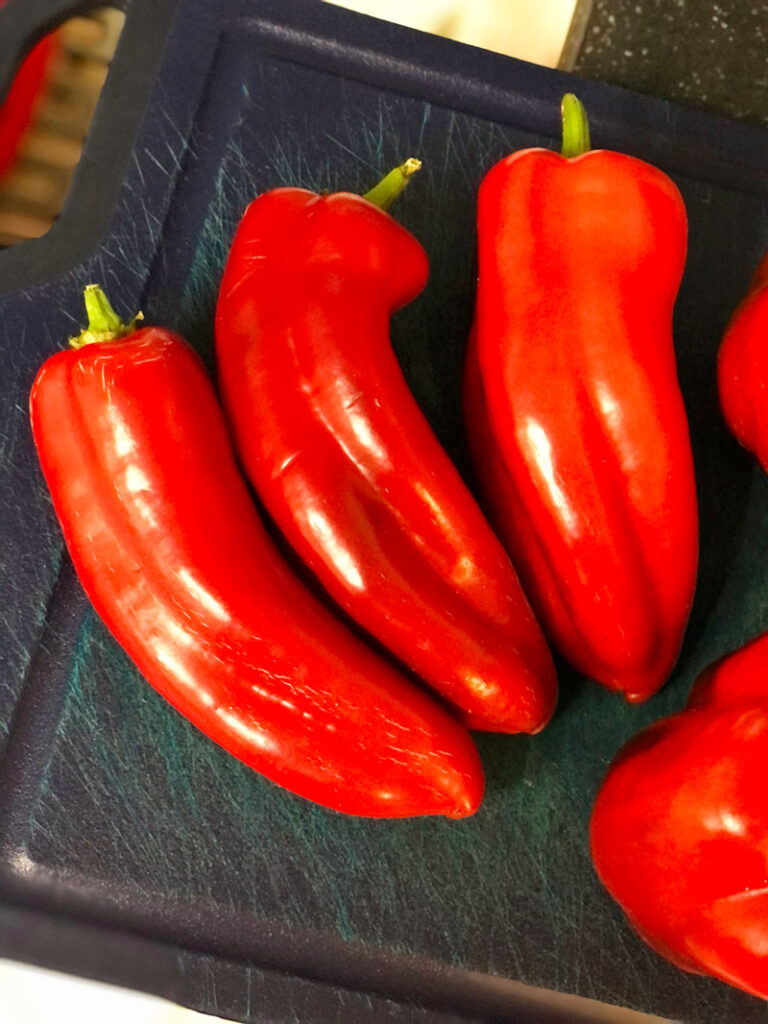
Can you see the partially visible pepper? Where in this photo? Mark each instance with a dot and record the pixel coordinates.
(345, 462)
(574, 413)
(172, 553)
(679, 829)
(742, 368)
(18, 107)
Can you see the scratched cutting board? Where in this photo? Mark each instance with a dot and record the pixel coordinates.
(131, 847)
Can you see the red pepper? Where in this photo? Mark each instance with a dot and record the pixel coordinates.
(176, 561)
(18, 107)
(742, 370)
(575, 417)
(680, 826)
(345, 462)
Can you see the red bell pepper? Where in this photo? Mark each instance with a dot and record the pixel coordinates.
(176, 561)
(339, 452)
(742, 368)
(574, 414)
(18, 107)
(679, 829)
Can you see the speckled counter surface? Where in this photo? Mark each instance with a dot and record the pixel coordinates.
(713, 55)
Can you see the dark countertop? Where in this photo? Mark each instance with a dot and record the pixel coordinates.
(713, 55)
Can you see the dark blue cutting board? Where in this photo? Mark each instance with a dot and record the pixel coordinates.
(131, 847)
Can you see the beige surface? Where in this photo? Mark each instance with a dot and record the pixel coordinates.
(533, 30)
(30, 995)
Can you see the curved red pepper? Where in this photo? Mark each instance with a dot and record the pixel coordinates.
(346, 463)
(680, 826)
(742, 368)
(18, 107)
(573, 408)
(176, 561)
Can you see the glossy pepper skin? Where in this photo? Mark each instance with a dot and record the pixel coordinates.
(742, 368)
(574, 414)
(679, 829)
(174, 557)
(339, 452)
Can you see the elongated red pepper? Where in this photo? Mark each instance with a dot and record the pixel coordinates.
(742, 368)
(573, 409)
(680, 826)
(346, 463)
(176, 561)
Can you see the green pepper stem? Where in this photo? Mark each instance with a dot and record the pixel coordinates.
(390, 187)
(575, 126)
(103, 322)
